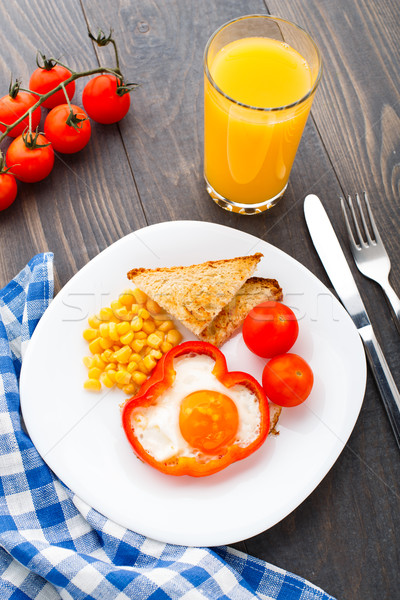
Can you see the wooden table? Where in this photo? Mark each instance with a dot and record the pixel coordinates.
(148, 169)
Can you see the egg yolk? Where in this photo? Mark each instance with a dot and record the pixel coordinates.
(208, 420)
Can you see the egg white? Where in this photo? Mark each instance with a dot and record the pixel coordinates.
(157, 426)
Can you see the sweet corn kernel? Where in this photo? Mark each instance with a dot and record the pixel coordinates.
(153, 307)
(105, 314)
(90, 334)
(156, 354)
(95, 347)
(129, 389)
(166, 325)
(140, 296)
(148, 326)
(132, 366)
(94, 322)
(139, 377)
(115, 305)
(143, 313)
(148, 362)
(110, 366)
(174, 336)
(87, 361)
(123, 328)
(135, 357)
(160, 334)
(154, 340)
(93, 385)
(105, 343)
(107, 355)
(94, 373)
(127, 338)
(106, 380)
(137, 323)
(104, 330)
(111, 374)
(138, 345)
(165, 347)
(98, 362)
(135, 309)
(113, 331)
(122, 355)
(126, 299)
(122, 377)
(140, 335)
(122, 313)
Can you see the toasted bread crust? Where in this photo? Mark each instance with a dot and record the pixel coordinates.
(252, 292)
(195, 294)
(274, 414)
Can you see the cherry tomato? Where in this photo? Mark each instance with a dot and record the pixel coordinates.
(30, 164)
(102, 101)
(44, 80)
(8, 190)
(287, 380)
(12, 108)
(68, 132)
(270, 328)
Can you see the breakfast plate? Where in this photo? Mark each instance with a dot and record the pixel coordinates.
(79, 433)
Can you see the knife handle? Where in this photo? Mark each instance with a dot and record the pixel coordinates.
(389, 393)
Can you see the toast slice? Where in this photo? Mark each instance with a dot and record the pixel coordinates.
(196, 294)
(252, 292)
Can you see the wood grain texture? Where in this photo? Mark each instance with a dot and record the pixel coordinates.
(148, 169)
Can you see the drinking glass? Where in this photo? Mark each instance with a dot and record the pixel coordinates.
(260, 77)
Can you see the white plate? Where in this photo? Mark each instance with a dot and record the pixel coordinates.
(79, 433)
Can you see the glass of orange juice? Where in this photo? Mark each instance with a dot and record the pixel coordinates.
(260, 77)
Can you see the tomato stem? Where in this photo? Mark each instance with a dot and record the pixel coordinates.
(14, 88)
(66, 95)
(3, 168)
(48, 63)
(103, 40)
(31, 92)
(31, 140)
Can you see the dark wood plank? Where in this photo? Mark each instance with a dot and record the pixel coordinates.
(90, 199)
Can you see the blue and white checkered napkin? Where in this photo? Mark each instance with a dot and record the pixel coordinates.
(53, 545)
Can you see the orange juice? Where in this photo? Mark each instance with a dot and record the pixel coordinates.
(253, 125)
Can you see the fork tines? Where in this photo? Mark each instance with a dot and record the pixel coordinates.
(369, 235)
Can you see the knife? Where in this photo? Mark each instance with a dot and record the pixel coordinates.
(335, 263)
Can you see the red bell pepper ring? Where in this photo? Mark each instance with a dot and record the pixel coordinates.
(162, 378)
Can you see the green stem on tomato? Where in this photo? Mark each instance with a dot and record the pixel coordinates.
(30, 92)
(117, 69)
(66, 96)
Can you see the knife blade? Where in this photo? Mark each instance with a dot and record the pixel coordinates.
(334, 261)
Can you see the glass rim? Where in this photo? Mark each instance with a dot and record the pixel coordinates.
(262, 108)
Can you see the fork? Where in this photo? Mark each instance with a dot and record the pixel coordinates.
(368, 250)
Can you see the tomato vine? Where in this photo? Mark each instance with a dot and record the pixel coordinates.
(101, 40)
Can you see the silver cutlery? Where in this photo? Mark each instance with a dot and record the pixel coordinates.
(338, 270)
(368, 249)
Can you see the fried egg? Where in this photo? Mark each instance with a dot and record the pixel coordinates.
(197, 416)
